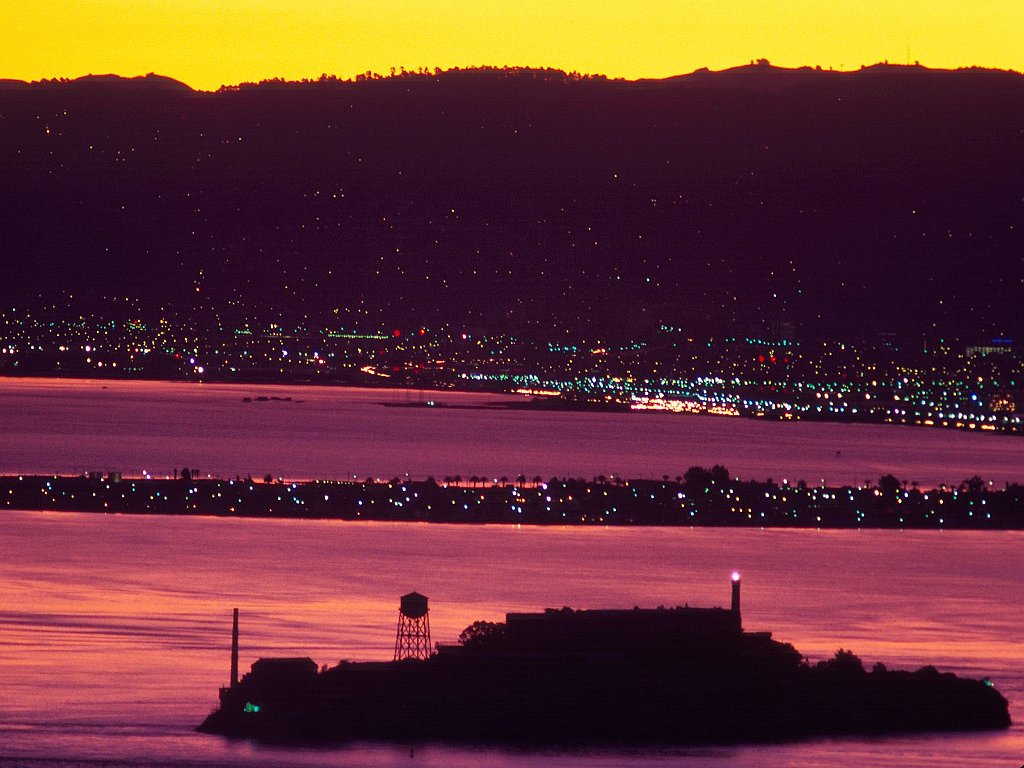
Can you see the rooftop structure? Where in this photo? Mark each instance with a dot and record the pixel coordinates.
(632, 630)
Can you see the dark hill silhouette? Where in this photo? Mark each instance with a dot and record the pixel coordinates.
(887, 199)
(141, 83)
(103, 82)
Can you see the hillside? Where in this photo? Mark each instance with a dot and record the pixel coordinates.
(887, 199)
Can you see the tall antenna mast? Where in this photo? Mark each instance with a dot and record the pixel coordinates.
(234, 649)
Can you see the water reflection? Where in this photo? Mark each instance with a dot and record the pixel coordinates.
(331, 433)
(115, 629)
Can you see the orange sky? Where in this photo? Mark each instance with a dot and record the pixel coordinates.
(207, 43)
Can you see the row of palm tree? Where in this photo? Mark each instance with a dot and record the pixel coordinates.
(475, 481)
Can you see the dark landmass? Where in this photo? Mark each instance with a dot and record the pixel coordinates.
(700, 497)
(528, 201)
(601, 677)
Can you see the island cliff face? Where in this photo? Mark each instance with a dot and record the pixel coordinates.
(582, 677)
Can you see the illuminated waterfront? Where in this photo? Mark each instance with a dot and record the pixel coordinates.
(956, 385)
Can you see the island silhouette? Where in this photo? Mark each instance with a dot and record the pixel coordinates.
(665, 675)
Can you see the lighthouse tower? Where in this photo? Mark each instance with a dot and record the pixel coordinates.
(413, 638)
(736, 599)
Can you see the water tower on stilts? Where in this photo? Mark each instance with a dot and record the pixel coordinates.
(413, 639)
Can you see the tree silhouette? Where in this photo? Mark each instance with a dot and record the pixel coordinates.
(482, 634)
(889, 485)
(974, 485)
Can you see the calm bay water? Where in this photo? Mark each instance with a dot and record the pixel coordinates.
(52, 425)
(114, 630)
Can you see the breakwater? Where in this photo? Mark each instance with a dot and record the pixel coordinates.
(701, 497)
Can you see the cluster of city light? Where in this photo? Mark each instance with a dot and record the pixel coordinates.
(682, 406)
(600, 502)
(949, 387)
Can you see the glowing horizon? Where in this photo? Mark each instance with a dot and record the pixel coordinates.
(225, 42)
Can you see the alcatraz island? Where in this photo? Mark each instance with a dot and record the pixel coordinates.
(700, 497)
(680, 675)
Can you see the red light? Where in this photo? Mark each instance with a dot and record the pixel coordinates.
(423, 332)
(398, 333)
(760, 358)
(773, 358)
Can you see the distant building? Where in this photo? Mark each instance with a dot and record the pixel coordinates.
(998, 346)
(1006, 401)
(623, 631)
(580, 631)
(780, 331)
(888, 340)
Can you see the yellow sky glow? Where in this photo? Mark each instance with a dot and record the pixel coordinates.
(214, 42)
